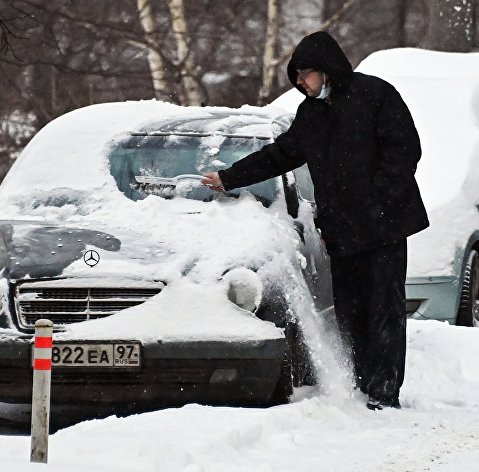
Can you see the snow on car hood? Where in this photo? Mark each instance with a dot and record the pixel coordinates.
(154, 239)
(33, 250)
(187, 244)
(442, 92)
(185, 311)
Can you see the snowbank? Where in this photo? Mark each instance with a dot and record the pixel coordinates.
(436, 430)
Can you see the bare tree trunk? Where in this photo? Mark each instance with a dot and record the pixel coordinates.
(346, 5)
(402, 6)
(190, 86)
(53, 88)
(155, 59)
(451, 25)
(270, 64)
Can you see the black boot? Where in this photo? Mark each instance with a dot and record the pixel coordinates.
(375, 404)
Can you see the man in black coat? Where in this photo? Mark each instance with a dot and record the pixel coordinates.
(361, 146)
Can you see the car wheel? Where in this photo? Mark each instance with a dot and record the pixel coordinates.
(468, 313)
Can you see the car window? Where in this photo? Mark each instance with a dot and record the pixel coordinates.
(172, 155)
(304, 183)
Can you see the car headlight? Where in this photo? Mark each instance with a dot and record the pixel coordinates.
(244, 288)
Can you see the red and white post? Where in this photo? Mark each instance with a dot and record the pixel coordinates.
(42, 374)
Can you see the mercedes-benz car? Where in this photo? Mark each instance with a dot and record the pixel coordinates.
(161, 290)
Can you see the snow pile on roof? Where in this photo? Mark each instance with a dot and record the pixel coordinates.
(81, 139)
(289, 100)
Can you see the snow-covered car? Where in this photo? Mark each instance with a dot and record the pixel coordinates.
(161, 290)
(442, 91)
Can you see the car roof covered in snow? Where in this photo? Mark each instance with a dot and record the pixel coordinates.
(71, 151)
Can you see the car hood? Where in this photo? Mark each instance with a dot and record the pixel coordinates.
(33, 250)
(192, 306)
(188, 245)
(153, 239)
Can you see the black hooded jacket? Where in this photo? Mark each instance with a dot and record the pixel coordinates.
(361, 147)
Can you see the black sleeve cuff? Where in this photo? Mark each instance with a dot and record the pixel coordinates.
(227, 179)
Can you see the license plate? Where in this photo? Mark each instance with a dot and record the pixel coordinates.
(96, 355)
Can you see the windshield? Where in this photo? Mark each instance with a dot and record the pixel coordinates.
(138, 159)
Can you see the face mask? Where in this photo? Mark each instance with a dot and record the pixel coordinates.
(325, 90)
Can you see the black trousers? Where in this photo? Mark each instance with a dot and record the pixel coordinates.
(369, 301)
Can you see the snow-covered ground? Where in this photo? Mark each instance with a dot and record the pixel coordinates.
(332, 430)
(436, 430)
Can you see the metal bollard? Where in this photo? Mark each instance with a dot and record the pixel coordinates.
(42, 372)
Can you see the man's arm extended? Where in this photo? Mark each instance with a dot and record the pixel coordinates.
(270, 161)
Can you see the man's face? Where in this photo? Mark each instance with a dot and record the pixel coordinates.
(311, 80)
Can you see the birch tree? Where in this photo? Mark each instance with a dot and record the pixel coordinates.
(190, 86)
(155, 58)
(270, 63)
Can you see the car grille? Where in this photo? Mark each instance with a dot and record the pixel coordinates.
(68, 304)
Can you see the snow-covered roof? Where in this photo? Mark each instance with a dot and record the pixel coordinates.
(81, 138)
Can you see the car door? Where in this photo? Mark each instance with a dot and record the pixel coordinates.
(317, 271)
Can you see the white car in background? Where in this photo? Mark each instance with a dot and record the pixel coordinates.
(442, 92)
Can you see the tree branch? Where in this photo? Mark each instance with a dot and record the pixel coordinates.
(5, 35)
